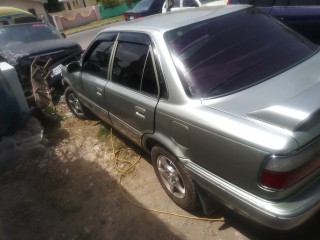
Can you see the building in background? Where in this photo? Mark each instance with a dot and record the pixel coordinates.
(34, 6)
(75, 4)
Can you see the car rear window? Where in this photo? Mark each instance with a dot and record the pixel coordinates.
(226, 54)
(145, 5)
(269, 3)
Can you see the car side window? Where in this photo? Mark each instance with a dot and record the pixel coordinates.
(176, 3)
(263, 3)
(281, 3)
(3, 22)
(190, 3)
(246, 1)
(98, 61)
(133, 66)
(303, 2)
(128, 64)
(149, 80)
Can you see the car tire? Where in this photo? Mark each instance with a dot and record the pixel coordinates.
(75, 106)
(174, 179)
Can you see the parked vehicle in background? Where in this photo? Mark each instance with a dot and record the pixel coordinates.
(226, 101)
(10, 15)
(300, 15)
(144, 8)
(21, 43)
(149, 7)
(182, 4)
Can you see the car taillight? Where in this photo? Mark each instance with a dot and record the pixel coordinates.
(287, 172)
(133, 16)
(137, 15)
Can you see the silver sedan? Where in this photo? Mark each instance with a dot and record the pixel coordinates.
(225, 99)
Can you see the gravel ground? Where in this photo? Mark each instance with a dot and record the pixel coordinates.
(63, 185)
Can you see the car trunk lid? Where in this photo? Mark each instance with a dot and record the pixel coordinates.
(293, 113)
(289, 101)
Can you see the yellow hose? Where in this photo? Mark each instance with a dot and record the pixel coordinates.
(124, 171)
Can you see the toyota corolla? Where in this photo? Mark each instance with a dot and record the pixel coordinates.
(225, 99)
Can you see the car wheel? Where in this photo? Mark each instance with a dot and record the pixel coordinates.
(174, 179)
(73, 103)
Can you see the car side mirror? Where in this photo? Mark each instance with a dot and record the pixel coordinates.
(73, 67)
(63, 35)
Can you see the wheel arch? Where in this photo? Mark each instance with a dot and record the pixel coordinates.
(156, 139)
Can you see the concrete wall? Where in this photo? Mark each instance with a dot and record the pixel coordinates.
(74, 18)
(26, 5)
(77, 17)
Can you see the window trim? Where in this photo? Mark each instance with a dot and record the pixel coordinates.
(150, 51)
(93, 47)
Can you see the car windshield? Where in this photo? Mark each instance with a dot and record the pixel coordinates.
(232, 52)
(26, 33)
(143, 5)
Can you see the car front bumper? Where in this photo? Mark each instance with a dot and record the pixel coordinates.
(280, 215)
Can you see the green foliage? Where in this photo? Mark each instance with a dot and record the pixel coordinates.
(103, 132)
(111, 3)
(52, 110)
(53, 6)
(129, 2)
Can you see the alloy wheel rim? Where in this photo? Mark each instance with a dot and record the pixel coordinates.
(171, 176)
(75, 104)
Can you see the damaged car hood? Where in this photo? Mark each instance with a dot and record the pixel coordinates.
(15, 53)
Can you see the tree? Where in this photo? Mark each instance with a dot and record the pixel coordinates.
(111, 3)
(53, 6)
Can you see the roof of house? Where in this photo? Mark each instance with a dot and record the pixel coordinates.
(11, 11)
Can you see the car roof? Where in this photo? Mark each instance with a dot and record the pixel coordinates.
(171, 20)
(7, 11)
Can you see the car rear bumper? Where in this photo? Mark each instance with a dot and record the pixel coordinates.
(282, 215)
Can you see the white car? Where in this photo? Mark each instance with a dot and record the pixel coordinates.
(150, 7)
(180, 4)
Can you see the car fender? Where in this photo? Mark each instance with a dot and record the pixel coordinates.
(159, 139)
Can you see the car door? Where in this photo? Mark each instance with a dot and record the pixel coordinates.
(95, 73)
(133, 92)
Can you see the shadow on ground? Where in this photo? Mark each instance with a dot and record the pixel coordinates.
(70, 200)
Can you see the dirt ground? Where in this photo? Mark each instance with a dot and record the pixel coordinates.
(72, 191)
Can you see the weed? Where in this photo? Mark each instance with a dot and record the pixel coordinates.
(52, 110)
(103, 132)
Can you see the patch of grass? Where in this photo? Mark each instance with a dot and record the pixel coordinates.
(103, 133)
(52, 110)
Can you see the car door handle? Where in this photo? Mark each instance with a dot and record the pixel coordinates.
(140, 112)
(99, 91)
